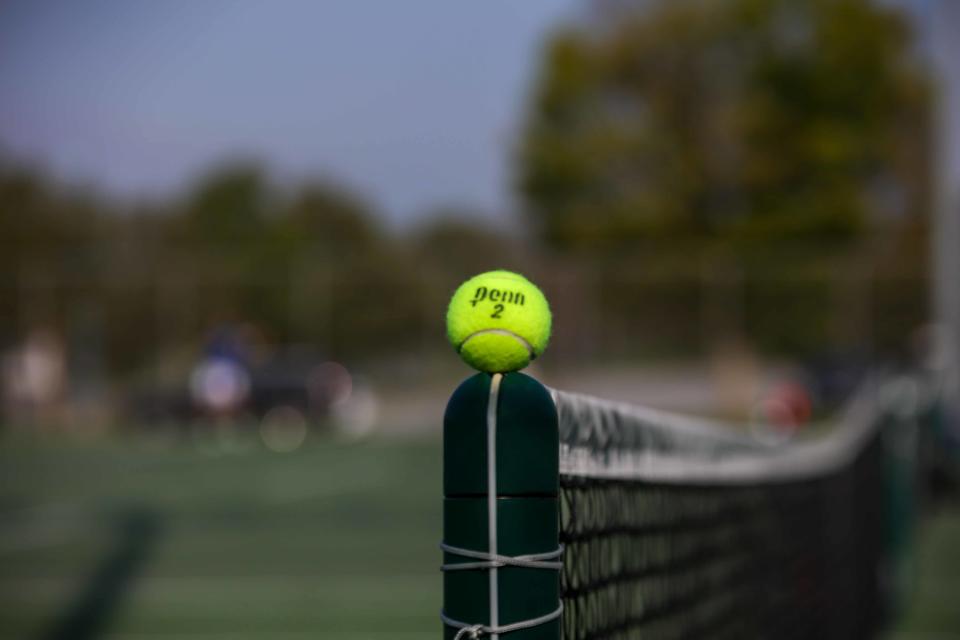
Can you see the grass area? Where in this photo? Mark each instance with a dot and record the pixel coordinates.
(932, 610)
(334, 541)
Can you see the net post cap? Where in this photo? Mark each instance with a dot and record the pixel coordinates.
(527, 438)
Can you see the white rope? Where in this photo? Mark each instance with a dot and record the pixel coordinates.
(493, 401)
(477, 630)
(467, 632)
(545, 560)
(490, 561)
(531, 561)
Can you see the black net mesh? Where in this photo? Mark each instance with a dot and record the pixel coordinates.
(793, 555)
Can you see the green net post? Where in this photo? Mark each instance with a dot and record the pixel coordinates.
(500, 479)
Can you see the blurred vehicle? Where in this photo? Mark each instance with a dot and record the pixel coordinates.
(295, 383)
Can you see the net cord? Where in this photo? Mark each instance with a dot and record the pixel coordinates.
(613, 441)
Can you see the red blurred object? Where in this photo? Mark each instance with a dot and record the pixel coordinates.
(788, 406)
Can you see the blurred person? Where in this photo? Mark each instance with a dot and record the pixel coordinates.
(220, 381)
(737, 373)
(34, 379)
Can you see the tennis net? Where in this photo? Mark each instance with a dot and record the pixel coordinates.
(676, 528)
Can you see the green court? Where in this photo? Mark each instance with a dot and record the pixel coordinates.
(931, 611)
(335, 541)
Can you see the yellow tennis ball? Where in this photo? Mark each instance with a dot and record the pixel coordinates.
(498, 321)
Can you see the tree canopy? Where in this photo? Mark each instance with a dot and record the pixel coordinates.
(737, 123)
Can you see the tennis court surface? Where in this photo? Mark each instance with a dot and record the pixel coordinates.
(338, 540)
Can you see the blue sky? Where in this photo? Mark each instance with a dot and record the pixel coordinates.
(414, 104)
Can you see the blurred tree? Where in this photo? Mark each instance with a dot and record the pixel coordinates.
(133, 287)
(314, 266)
(214, 250)
(52, 228)
(326, 223)
(764, 143)
(49, 245)
(743, 122)
(451, 246)
(454, 243)
(344, 268)
(227, 209)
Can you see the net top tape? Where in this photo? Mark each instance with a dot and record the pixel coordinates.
(607, 440)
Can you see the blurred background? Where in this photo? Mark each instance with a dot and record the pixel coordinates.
(228, 232)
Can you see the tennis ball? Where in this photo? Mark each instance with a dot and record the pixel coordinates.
(498, 321)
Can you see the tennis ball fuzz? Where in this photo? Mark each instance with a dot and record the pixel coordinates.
(498, 321)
